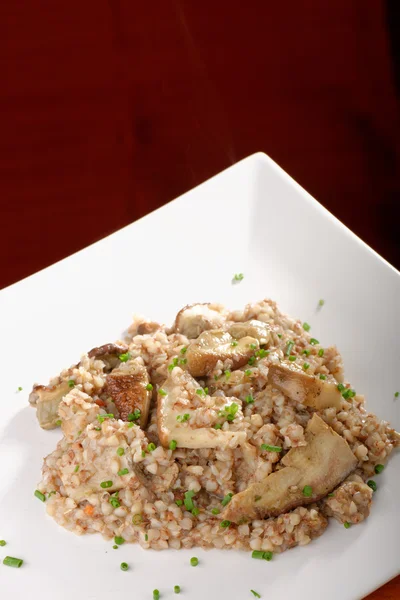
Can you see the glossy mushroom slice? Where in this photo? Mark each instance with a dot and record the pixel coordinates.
(256, 329)
(47, 398)
(127, 386)
(307, 389)
(309, 473)
(211, 346)
(192, 320)
(187, 418)
(109, 354)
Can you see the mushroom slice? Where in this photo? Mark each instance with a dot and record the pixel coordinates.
(127, 386)
(321, 465)
(109, 354)
(192, 320)
(185, 417)
(256, 329)
(47, 398)
(307, 389)
(212, 346)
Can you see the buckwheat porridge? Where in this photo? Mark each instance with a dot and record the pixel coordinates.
(227, 430)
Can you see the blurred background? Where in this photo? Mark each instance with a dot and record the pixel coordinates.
(111, 108)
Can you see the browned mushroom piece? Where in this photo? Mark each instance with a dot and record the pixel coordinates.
(47, 398)
(256, 329)
(109, 354)
(308, 474)
(211, 346)
(192, 320)
(127, 386)
(307, 389)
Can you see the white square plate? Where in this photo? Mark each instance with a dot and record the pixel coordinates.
(252, 218)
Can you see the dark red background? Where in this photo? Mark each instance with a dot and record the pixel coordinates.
(111, 108)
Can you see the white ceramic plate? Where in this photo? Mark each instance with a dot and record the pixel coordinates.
(252, 218)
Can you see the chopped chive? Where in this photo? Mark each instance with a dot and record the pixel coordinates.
(346, 525)
(179, 502)
(200, 392)
(322, 376)
(238, 277)
(115, 547)
(183, 350)
(279, 335)
(227, 374)
(115, 503)
(292, 358)
(314, 342)
(306, 352)
(146, 537)
(149, 387)
(10, 561)
(143, 453)
(379, 468)
(306, 327)
(123, 472)
(262, 353)
(257, 554)
(321, 352)
(162, 392)
(226, 499)
(19, 389)
(349, 393)
(177, 589)
(215, 511)
(372, 484)
(194, 561)
(106, 484)
(321, 302)
(3, 542)
(331, 495)
(396, 394)
(217, 426)
(234, 343)
(183, 418)
(267, 555)
(248, 372)
(172, 445)
(58, 423)
(124, 566)
(119, 540)
(124, 357)
(253, 346)
(289, 347)
(306, 365)
(137, 519)
(120, 451)
(156, 595)
(51, 493)
(151, 447)
(183, 361)
(252, 360)
(189, 505)
(195, 511)
(307, 491)
(225, 523)
(269, 448)
(216, 377)
(76, 469)
(249, 399)
(101, 418)
(97, 428)
(71, 383)
(39, 495)
(256, 594)
(341, 387)
(135, 415)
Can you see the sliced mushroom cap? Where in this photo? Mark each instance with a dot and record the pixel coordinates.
(307, 389)
(192, 320)
(127, 387)
(175, 401)
(211, 346)
(47, 399)
(321, 465)
(256, 329)
(109, 354)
